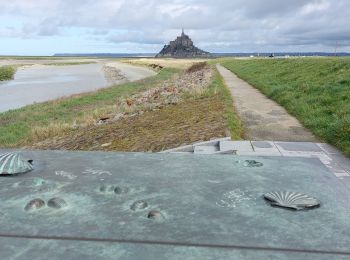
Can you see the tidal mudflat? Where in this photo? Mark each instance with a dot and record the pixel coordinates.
(42, 83)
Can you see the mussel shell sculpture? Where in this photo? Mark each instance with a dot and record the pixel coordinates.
(291, 200)
(13, 163)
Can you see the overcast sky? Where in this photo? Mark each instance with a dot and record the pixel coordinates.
(45, 27)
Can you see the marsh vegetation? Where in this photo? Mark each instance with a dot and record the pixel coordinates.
(7, 72)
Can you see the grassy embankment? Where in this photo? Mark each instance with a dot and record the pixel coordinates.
(314, 90)
(16, 125)
(200, 117)
(7, 72)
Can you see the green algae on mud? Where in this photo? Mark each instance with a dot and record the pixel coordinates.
(7, 72)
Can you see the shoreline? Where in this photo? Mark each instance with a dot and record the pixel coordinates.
(113, 75)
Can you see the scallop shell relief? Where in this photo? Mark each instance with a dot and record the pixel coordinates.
(291, 200)
(13, 163)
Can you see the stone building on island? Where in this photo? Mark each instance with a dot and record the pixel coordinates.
(182, 47)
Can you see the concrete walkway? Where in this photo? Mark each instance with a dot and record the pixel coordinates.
(263, 118)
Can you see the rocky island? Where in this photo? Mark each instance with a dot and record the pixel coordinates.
(182, 47)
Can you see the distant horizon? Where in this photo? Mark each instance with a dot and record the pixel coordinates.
(150, 54)
(43, 28)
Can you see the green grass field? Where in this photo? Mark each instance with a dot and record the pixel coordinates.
(7, 72)
(314, 90)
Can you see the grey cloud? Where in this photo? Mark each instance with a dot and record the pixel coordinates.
(100, 32)
(242, 25)
(136, 37)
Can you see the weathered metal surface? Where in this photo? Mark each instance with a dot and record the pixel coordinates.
(170, 205)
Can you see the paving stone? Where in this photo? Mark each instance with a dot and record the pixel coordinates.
(341, 160)
(324, 158)
(262, 144)
(214, 142)
(227, 152)
(205, 149)
(328, 148)
(321, 156)
(298, 146)
(301, 154)
(236, 146)
(185, 148)
(265, 147)
(341, 174)
(190, 148)
(336, 169)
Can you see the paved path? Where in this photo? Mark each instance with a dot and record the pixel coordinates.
(263, 118)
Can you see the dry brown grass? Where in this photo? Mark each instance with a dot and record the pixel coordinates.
(169, 127)
(196, 67)
(39, 133)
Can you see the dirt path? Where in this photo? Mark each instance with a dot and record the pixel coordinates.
(263, 118)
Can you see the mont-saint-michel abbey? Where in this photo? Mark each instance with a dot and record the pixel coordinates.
(182, 47)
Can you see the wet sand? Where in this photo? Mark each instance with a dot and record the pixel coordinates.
(132, 73)
(42, 83)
